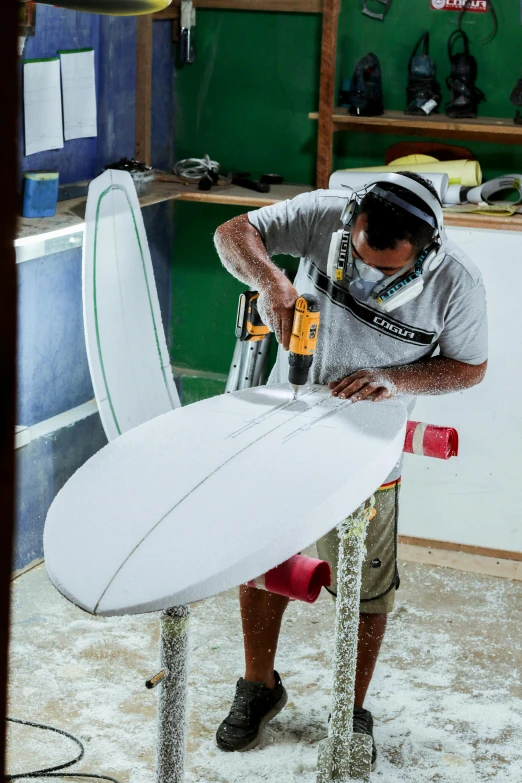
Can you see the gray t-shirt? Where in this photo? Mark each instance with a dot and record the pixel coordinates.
(448, 317)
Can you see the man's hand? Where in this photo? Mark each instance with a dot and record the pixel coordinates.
(438, 375)
(276, 306)
(365, 384)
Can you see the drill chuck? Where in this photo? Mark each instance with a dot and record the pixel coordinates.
(299, 367)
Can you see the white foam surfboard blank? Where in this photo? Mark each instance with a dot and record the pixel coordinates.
(126, 347)
(212, 495)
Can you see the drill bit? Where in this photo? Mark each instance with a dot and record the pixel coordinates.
(296, 388)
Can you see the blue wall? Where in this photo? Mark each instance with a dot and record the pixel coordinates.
(53, 374)
(43, 467)
(114, 42)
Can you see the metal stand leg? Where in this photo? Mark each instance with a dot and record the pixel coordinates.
(346, 756)
(173, 695)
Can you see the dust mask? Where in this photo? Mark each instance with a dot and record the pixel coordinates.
(365, 279)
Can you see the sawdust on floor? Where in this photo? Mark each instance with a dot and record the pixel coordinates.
(446, 696)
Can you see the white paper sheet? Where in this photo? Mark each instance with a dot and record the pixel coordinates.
(79, 94)
(42, 105)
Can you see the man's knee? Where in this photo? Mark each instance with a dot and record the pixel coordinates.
(380, 578)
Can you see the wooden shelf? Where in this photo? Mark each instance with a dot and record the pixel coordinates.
(228, 194)
(474, 220)
(492, 129)
(71, 214)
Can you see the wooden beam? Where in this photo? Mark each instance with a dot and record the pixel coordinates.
(469, 549)
(290, 6)
(144, 89)
(461, 561)
(172, 12)
(326, 92)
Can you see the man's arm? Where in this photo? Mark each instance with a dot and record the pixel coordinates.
(243, 253)
(431, 376)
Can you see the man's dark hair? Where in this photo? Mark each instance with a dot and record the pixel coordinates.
(389, 224)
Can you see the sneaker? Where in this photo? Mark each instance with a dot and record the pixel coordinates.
(363, 724)
(253, 706)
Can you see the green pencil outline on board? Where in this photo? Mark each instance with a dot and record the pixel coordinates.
(95, 298)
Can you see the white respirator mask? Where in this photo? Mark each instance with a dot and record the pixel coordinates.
(388, 292)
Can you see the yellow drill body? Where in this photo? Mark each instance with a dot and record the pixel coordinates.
(303, 340)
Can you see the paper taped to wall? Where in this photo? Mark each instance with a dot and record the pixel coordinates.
(42, 105)
(79, 94)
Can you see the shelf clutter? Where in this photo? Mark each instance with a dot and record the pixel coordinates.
(70, 214)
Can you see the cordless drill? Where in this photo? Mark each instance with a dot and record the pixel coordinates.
(303, 341)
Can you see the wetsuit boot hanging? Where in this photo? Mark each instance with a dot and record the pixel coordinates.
(423, 92)
(365, 93)
(465, 96)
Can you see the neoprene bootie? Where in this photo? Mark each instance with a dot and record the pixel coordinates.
(423, 92)
(465, 96)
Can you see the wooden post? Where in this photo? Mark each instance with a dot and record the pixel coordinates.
(326, 92)
(144, 88)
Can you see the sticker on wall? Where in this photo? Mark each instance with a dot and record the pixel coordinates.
(479, 6)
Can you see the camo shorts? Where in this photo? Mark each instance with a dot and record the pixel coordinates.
(380, 576)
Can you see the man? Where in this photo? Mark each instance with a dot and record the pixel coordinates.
(363, 353)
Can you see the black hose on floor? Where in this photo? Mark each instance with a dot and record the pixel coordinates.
(55, 772)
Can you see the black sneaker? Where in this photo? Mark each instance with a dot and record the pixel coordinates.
(253, 706)
(363, 724)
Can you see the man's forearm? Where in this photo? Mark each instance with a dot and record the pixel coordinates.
(243, 254)
(436, 376)
(432, 376)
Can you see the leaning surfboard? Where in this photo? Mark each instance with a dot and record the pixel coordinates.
(212, 495)
(126, 347)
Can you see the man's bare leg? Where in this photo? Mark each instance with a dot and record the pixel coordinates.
(261, 615)
(371, 633)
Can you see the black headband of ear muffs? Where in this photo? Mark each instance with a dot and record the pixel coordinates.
(399, 202)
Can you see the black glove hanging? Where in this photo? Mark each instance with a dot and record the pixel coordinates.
(423, 92)
(465, 96)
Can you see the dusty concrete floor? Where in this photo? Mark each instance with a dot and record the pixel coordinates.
(446, 697)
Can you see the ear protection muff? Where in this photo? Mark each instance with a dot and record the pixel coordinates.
(408, 283)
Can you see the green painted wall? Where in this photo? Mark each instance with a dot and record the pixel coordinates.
(245, 102)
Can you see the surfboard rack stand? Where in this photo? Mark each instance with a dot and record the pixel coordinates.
(346, 756)
(172, 704)
(249, 365)
(343, 756)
